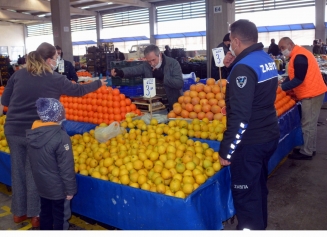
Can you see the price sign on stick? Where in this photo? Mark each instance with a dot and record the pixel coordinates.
(218, 55)
(61, 66)
(149, 87)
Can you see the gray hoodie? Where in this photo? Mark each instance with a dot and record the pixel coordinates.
(50, 152)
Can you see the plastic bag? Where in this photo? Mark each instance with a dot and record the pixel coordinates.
(159, 117)
(103, 134)
(189, 76)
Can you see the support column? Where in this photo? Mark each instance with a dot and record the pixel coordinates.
(217, 25)
(25, 36)
(60, 15)
(153, 23)
(320, 7)
(98, 23)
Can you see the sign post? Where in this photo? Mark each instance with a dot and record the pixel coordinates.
(149, 88)
(219, 55)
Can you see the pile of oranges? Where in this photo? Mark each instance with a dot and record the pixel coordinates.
(83, 74)
(202, 101)
(283, 102)
(105, 105)
(2, 88)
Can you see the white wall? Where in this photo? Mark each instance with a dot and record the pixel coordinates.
(12, 36)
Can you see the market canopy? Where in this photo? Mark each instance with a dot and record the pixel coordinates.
(84, 42)
(124, 39)
(180, 35)
(305, 26)
(261, 29)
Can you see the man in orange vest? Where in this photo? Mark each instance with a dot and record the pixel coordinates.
(308, 85)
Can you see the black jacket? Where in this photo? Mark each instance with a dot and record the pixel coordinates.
(69, 71)
(251, 114)
(119, 56)
(273, 49)
(215, 70)
(51, 155)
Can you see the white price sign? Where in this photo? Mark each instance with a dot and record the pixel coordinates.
(149, 87)
(218, 55)
(61, 66)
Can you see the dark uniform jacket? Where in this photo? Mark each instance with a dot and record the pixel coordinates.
(250, 97)
(51, 155)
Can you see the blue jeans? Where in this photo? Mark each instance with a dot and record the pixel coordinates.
(249, 173)
(54, 214)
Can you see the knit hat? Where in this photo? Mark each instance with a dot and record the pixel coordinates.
(50, 110)
(226, 38)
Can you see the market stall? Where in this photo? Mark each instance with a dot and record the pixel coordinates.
(128, 208)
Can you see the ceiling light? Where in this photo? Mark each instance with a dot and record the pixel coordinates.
(109, 3)
(85, 7)
(42, 15)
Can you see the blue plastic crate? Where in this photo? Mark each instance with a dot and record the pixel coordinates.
(204, 81)
(131, 91)
(188, 83)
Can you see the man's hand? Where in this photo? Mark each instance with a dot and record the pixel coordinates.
(113, 72)
(103, 81)
(69, 197)
(229, 58)
(224, 162)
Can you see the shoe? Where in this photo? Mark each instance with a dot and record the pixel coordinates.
(35, 221)
(297, 150)
(18, 219)
(299, 156)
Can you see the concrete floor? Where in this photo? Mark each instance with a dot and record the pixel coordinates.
(297, 195)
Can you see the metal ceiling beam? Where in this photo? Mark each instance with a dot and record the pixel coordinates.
(43, 6)
(9, 15)
(134, 3)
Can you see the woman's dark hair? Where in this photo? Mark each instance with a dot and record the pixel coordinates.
(244, 30)
(36, 60)
(46, 50)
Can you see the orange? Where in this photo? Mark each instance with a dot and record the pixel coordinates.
(117, 117)
(133, 107)
(116, 110)
(115, 91)
(122, 103)
(128, 101)
(122, 97)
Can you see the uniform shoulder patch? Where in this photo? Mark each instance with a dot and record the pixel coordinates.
(241, 81)
(66, 146)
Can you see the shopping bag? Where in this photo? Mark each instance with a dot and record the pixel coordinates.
(103, 134)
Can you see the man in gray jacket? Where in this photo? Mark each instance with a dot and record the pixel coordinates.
(165, 70)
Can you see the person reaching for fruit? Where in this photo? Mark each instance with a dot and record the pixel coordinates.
(23, 88)
(252, 132)
(306, 81)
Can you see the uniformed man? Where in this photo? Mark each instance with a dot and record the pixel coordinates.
(252, 126)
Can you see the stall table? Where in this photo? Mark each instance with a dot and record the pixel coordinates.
(128, 208)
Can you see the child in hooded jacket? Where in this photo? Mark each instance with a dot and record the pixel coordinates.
(52, 162)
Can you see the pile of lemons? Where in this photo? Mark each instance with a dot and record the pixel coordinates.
(3, 141)
(145, 158)
(203, 129)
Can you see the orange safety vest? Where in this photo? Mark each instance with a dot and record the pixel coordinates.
(313, 84)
